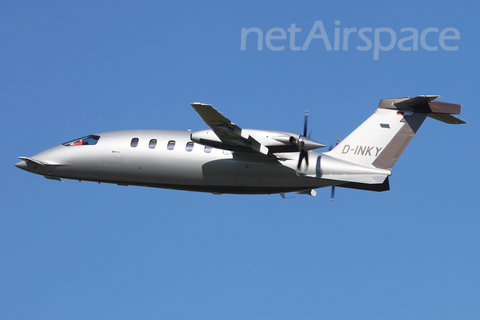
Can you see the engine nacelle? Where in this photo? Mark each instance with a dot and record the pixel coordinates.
(209, 138)
(275, 141)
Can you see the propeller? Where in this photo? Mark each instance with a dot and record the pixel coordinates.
(301, 144)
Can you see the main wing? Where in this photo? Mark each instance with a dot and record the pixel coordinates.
(226, 131)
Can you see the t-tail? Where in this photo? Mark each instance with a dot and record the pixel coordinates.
(375, 146)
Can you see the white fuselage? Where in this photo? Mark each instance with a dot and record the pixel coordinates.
(194, 167)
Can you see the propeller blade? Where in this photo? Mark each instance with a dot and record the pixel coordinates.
(303, 155)
(300, 159)
(331, 146)
(332, 196)
(305, 126)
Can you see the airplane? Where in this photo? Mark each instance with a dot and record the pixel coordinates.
(231, 160)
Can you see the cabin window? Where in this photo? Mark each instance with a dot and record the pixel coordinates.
(171, 145)
(189, 146)
(88, 140)
(134, 143)
(152, 144)
(207, 149)
(226, 152)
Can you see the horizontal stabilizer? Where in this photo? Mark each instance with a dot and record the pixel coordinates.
(447, 118)
(437, 110)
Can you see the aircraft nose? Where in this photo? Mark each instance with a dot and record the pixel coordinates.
(21, 165)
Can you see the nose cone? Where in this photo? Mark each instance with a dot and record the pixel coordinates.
(21, 165)
(50, 162)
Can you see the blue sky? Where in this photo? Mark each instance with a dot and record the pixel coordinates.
(87, 251)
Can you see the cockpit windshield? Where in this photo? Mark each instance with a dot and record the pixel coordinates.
(88, 140)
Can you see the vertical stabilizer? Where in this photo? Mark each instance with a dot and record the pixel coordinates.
(381, 139)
